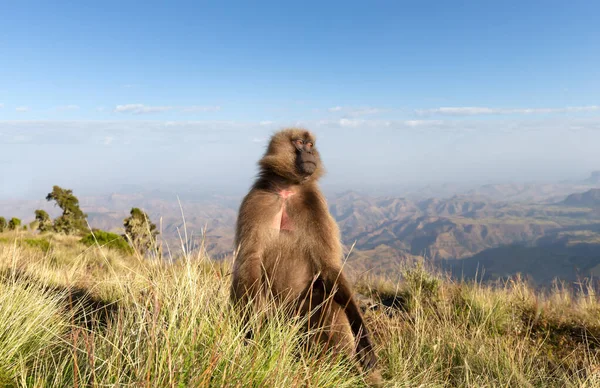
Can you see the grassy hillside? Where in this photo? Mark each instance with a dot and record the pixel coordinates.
(72, 315)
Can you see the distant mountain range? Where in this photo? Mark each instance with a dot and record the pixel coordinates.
(590, 198)
(494, 231)
(473, 236)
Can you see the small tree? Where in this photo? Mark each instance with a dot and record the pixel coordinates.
(139, 231)
(43, 220)
(14, 223)
(73, 219)
(3, 224)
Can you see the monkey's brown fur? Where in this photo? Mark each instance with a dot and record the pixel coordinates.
(288, 246)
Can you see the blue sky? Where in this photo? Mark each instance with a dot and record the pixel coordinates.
(403, 92)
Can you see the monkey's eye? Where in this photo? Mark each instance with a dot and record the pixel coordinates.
(310, 144)
(298, 142)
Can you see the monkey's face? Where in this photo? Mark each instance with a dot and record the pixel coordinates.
(306, 161)
(292, 154)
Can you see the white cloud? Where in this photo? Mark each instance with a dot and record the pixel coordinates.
(476, 111)
(265, 123)
(1, 106)
(400, 125)
(100, 109)
(22, 108)
(21, 139)
(162, 133)
(356, 111)
(589, 108)
(200, 108)
(366, 111)
(155, 132)
(67, 107)
(421, 123)
(138, 109)
(351, 122)
(458, 111)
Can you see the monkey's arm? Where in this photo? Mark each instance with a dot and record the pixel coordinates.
(336, 282)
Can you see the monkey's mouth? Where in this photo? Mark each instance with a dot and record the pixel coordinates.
(308, 166)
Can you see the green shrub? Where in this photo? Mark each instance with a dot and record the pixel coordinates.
(107, 239)
(40, 243)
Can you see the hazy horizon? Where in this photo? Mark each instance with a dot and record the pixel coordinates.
(399, 96)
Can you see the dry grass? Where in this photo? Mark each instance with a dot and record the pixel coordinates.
(77, 316)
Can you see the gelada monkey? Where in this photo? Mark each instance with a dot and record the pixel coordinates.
(288, 247)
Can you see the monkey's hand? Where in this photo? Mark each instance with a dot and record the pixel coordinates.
(365, 353)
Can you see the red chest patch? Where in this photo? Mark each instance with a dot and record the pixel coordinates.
(286, 223)
(282, 221)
